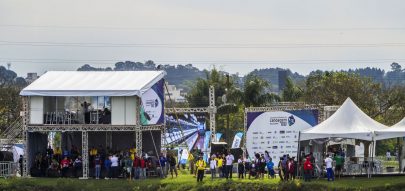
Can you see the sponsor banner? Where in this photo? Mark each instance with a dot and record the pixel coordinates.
(237, 140)
(277, 132)
(206, 144)
(152, 108)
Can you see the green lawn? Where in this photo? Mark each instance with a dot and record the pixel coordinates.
(187, 182)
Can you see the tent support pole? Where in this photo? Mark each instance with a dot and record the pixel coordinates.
(299, 154)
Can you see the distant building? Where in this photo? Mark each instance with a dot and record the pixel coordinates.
(177, 95)
(31, 77)
(282, 79)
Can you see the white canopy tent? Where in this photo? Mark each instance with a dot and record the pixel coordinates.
(93, 83)
(347, 122)
(397, 130)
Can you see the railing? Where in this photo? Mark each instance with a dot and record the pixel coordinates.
(8, 169)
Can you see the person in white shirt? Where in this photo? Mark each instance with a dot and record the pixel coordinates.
(229, 165)
(329, 170)
(114, 166)
(388, 154)
(213, 167)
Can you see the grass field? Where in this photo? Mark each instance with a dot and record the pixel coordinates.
(188, 182)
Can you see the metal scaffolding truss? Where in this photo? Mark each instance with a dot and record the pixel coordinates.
(91, 127)
(187, 110)
(85, 153)
(26, 121)
(212, 109)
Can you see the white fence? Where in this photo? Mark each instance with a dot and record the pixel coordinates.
(8, 169)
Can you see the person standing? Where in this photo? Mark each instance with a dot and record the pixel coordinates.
(339, 164)
(114, 166)
(270, 168)
(97, 166)
(329, 170)
(308, 167)
(172, 163)
(191, 162)
(291, 168)
(143, 167)
(220, 163)
(163, 161)
(200, 169)
(78, 165)
(213, 167)
(86, 112)
(241, 167)
(388, 155)
(136, 166)
(64, 164)
(229, 165)
(107, 166)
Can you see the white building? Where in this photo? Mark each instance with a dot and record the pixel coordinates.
(175, 94)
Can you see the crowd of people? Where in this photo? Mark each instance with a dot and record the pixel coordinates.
(128, 164)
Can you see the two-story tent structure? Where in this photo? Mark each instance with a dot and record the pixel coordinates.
(115, 110)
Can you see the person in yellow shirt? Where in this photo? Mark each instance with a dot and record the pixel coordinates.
(220, 162)
(132, 152)
(200, 169)
(58, 153)
(191, 162)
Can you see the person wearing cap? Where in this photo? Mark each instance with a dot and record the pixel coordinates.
(200, 169)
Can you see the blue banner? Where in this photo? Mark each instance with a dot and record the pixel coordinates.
(237, 140)
(218, 136)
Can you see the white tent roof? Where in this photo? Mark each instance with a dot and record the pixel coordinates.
(94, 83)
(347, 122)
(397, 130)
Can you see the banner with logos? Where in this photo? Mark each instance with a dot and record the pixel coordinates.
(277, 131)
(152, 108)
(218, 136)
(237, 140)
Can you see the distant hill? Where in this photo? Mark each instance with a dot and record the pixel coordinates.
(177, 75)
(271, 75)
(180, 75)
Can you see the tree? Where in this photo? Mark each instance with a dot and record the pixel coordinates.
(291, 92)
(256, 92)
(333, 88)
(396, 67)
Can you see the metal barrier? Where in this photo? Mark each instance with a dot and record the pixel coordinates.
(8, 169)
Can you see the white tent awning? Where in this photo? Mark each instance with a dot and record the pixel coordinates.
(93, 83)
(347, 122)
(397, 130)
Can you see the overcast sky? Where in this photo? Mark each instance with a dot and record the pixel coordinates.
(233, 35)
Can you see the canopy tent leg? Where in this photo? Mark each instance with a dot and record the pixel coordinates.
(299, 155)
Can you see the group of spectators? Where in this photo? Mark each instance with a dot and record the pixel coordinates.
(103, 163)
(128, 164)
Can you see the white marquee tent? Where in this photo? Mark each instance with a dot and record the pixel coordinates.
(397, 130)
(347, 122)
(93, 83)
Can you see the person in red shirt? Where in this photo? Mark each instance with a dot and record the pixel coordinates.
(64, 165)
(143, 168)
(137, 167)
(291, 169)
(308, 167)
